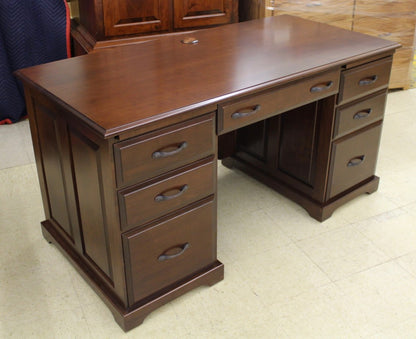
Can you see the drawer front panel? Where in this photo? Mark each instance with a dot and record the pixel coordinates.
(354, 160)
(358, 115)
(142, 204)
(152, 154)
(363, 80)
(169, 251)
(234, 115)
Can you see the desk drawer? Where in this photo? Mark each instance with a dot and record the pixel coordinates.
(355, 116)
(144, 203)
(363, 80)
(154, 153)
(246, 111)
(161, 255)
(354, 159)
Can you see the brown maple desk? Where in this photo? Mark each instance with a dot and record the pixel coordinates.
(127, 142)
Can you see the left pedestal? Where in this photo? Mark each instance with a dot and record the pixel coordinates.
(135, 213)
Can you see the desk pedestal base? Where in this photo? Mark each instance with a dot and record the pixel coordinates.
(317, 210)
(129, 318)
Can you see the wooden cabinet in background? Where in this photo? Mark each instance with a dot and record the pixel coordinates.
(393, 20)
(105, 23)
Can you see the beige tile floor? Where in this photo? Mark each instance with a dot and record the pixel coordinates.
(287, 276)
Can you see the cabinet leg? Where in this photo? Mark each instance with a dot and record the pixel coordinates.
(325, 211)
(136, 315)
(46, 234)
(228, 162)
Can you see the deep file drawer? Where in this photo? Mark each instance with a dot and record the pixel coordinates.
(141, 204)
(149, 155)
(246, 111)
(365, 79)
(353, 159)
(169, 251)
(359, 114)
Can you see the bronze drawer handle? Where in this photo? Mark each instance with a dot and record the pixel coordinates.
(368, 81)
(356, 161)
(362, 114)
(190, 40)
(162, 197)
(181, 248)
(238, 115)
(163, 154)
(321, 87)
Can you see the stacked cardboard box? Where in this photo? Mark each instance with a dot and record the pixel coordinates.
(390, 19)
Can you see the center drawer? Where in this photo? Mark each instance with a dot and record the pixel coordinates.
(169, 251)
(141, 204)
(261, 106)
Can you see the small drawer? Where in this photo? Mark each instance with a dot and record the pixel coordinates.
(144, 203)
(152, 154)
(365, 79)
(353, 159)
(169, 251)
(246, 111)
(353, 117)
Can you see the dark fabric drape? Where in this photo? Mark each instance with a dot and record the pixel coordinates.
(32, 32)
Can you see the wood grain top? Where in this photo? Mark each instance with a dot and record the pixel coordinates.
(122, 88)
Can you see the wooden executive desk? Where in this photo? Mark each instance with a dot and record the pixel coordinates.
(126, 144)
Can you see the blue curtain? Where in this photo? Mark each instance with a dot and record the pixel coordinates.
(32, 32)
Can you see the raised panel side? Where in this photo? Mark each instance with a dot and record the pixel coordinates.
(87, 169)
(53, 142)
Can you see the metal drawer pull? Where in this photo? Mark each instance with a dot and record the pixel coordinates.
(362, 114)
(181, 248)
(321, 87)
(163, 154)
(238, 115)
(356, 161)
(190, 40)
(163, 197)
(368, 81)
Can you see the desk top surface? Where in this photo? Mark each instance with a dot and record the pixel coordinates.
(122, 88)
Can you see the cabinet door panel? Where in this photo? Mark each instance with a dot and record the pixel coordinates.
(193, 13)
(136, 16)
